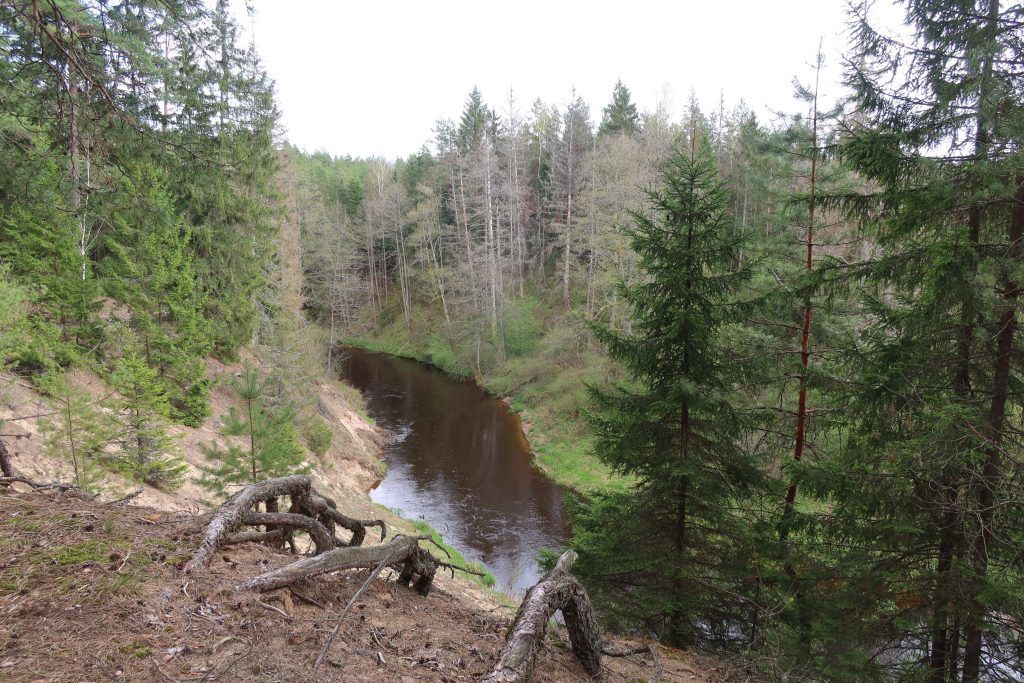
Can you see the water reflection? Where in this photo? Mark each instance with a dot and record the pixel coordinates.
(461, 462)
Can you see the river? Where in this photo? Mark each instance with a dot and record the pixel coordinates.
(461, 462)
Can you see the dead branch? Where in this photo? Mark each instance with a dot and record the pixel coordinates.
(5, 461)
(417, 564)
(121, 502)
(557, 590)
(322, 539)
(326, 512)
(41, 486)
(651, 648)
(387, 560)
(253, 536)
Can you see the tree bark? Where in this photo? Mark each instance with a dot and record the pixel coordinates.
(310, 511)
(557, 590)
(322, 539)
(991, 469)
(5, 460)
(325, 511)
(417, 565)
(231, 514)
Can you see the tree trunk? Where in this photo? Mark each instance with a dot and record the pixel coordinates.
(558, 590)
(568, 253)
(991, 475)
(5, 460)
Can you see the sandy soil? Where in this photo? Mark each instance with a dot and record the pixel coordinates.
(349, 468)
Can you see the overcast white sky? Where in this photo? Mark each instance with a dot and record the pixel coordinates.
(372, 77)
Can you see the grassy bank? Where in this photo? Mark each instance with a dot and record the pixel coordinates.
(543, 378)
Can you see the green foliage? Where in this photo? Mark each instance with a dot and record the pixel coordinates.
(524, 326)
(263, 441)
(151, 269)
(620, 116)
(80, 430)
(677, 426)
(144, 198)
(146, 449)
(319, 435)
(28, 343)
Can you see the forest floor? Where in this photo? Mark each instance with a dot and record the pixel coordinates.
(92, 592)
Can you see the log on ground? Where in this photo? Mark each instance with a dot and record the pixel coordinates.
(310, 511)
(417, 565)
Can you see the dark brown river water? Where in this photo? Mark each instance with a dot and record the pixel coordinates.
(461, 462)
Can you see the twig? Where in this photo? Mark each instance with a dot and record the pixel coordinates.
(330, 637)
(121, 502)
(42, 486)
(272, 607)
(448, 565)
(305, 598)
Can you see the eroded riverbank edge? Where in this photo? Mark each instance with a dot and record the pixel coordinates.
(345, 472)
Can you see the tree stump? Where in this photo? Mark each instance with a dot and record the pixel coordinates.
(557, 590)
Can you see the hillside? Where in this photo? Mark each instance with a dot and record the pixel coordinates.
(348, 468)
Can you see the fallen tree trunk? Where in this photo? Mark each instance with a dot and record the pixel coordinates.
(310, 511)
(418, 565)
(558, 590)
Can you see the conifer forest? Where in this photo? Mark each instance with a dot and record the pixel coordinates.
(774, 363)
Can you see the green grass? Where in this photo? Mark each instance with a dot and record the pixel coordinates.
(456, 559)
(95, 550)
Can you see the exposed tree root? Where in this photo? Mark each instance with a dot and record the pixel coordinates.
(418, 566)
(310, 512)
(38, 485)
(557, 590)
(651, 648)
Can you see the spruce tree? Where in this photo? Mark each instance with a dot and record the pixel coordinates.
(620, 115)
(672, 553)
(146, 449)
(924, 492)
(264, 443)
(151, 268)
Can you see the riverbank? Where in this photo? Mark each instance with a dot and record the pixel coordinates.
(543, 379)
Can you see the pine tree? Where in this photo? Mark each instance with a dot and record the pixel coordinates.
(269, 445)
(620, 115)
(678, 426)
(79, 430)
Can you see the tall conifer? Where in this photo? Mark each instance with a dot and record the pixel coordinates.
(677, 427)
